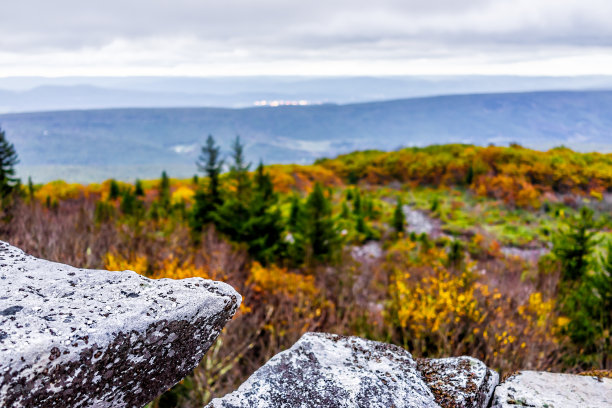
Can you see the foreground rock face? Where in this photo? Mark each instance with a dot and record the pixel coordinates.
(74, 338)
(325, 370)
(545, 390)
(459, 382)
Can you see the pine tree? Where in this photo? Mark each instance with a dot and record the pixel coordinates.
(129, 202)
(263, 183)
(164, 191)
(30, 189)
(574, 243)
(295, 215)
(469, 177)
(8, 161)
(357, 203)
(138, 189)
(113, 190)
(239, 171)
(399, 218)
(209, 200)
(573, 246)
(210, 163)
(320, 231)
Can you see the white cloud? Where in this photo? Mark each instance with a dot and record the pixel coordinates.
(241, 37)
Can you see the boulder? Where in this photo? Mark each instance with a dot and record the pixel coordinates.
(89, 338)
(544, 390)
(326, 370)
(459, 382)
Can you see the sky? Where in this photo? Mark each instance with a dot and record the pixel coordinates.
(287, 37)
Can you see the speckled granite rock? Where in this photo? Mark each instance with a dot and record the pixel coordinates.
(459, 382)
(325, 370)
(546, 390)
(85, 338)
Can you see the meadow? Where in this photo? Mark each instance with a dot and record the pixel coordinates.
(501, 253)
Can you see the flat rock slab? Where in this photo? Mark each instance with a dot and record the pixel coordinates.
(325, 370)
(88, 338)
(459, 382)
(549, 390)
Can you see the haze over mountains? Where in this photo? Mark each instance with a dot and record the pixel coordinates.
(30, 94)
(93, 145)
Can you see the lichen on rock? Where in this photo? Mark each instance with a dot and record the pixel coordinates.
(89, 338)
(326, 370)
(459, 382)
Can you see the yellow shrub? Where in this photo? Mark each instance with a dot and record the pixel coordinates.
(278, 281)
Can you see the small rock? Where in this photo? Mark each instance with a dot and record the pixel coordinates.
(545, 390)
(326, 370)
(459, 382)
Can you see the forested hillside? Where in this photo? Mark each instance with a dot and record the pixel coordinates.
(91, 146)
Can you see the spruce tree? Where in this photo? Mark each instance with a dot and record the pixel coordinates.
(357, 203)
(239, 170)
(207, 201)
(113, 190)
(265, 226)
(263, 183)
(320, 231)
(574, 243)
(573, 246)
(295, 215)
(164, 191)
(399, 218)
(8, 161)
(30, 189)
(210, 163)
(138, 189)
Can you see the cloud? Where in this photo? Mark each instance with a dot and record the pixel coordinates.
(191, 35)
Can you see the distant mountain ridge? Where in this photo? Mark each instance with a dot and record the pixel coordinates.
(33, 94)
(91, 145)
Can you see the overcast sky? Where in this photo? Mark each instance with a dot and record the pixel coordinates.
(330, 37)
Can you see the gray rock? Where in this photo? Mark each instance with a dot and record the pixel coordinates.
(546, 390)
(84, 338)
(325, 370)
(459, 382)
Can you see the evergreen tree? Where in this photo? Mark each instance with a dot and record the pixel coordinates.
(164, 191)
(251, 218)
(30, 189)
(399, 218)
(239, 171)
(113, 190)
(207, 201)
(138, 189)
(349, 194)
(574, 243)
(210, 163)
(320, 232)
(295, 214)
(573, 246)
(357, 202)
(130, 205)
(469, 177)
(263, 183)
(8, 161)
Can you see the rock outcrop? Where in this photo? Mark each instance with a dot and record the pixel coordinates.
(325, 370)
(459, 382)
(73, 338)
(546, 390)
